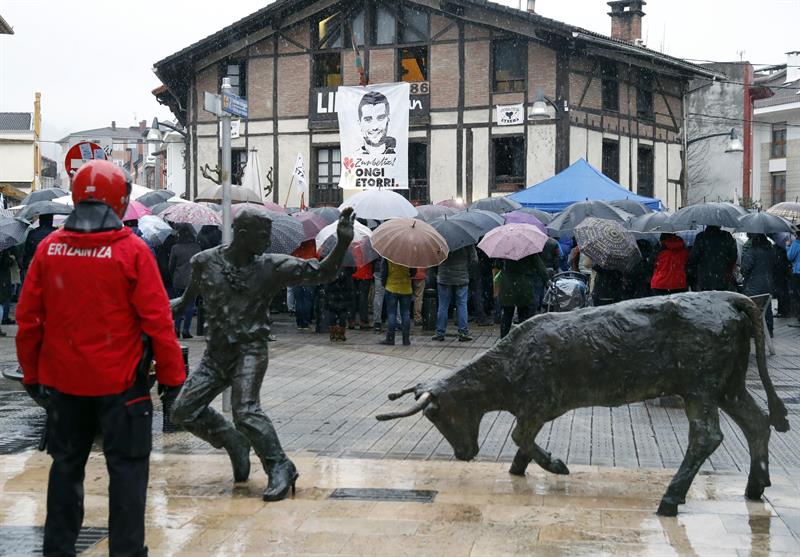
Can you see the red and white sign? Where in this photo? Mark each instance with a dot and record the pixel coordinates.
(80, 153)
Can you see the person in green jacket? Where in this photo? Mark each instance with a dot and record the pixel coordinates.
(517, 282)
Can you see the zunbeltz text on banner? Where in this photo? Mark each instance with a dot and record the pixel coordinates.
(373, 130)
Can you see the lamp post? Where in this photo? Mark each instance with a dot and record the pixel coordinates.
(540, 112)
(734, 144)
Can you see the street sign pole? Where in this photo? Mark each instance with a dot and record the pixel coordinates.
(227, 229)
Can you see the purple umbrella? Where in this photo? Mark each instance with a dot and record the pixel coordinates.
(312, 223)
(513, 241)
(521, 217)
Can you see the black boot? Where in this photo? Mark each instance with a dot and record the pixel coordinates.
(407, 335)
(238, 448)
(389, 340)
(282, 477)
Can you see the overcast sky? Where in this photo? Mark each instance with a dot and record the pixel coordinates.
(92, 62)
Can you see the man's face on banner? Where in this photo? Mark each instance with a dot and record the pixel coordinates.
(374, 123)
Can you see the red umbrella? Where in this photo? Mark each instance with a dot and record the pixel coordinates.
(135, 211)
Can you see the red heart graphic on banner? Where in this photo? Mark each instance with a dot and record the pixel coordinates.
(349, 163)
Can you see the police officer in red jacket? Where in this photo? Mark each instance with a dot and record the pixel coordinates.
(92, 291)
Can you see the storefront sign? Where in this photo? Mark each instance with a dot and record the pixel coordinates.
(373, 132)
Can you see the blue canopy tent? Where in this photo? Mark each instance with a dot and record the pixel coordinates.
(579, 182)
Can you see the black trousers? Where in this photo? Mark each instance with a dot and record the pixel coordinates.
(523, 312)
(125, 422)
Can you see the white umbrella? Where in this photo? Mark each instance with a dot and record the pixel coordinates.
(380, 204)
(359, 233)
(251, 180)
(239, 194)
(154, 229)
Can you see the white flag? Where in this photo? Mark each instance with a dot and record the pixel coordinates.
(299, 173)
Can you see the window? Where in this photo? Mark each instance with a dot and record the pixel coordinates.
(238, 162)
(412, 64)
(325, 190)
(644, 164)
(611, 159)
(778, 150)
(385, 25)
(509, 163)
(334, 32)
(644, 95)
(328, 70)
(237, 73)
(778, 187)
(610, 86)
(510, 61)
(418, 192)
(414, 25)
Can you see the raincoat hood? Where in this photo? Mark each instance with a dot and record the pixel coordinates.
(92, 216)
(673, 243)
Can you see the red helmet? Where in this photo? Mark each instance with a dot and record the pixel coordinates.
(103, 181)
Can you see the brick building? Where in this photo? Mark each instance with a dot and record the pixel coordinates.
(620, 105)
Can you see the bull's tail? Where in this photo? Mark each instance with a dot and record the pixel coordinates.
(777, 410)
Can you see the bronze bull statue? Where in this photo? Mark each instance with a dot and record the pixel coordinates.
(694, 345)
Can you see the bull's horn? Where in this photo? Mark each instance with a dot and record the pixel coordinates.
(418, 406)
(395, 396)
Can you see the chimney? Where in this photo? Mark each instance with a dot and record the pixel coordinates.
(626, 20)
(142, 125)
(113, 124)
(531, 6)
(792, 66)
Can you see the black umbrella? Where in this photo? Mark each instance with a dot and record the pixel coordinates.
(543, 216)
(46, 194)
(608, 243)
(630, 206)
(12, 232)
(429, 213)
(457, 233)
(155, 197)
(709, 214)
(484, 220)
(496, 204)
(39, 208)
(652, 222)
(764, 223)
(572, 216)
(330, 214)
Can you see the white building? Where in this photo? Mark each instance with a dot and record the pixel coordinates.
(17, 150)
(776, 149)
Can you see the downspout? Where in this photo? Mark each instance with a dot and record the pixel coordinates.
(685, 182)
(747, 135)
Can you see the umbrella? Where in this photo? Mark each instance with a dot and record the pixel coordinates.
(457, 233)
(572, 216)
(190, 213)
(154, 229)
(709, 214)
(430, 212)
(239, 194)
(630, 206)
(135, 211)
(287, 233)
(46, 194)
(239, 207)
(159, 208)
(457, 204)
(652, 222)
(485, 220)
(789, 210)
(608, 243)
(496, 204)
(410, 242)
(12, 232)
(330, 214)
(379, 204)
(764, 223)
(359, 252)
(154, 197)
(274, 207)
(292, 210)
(312, 223)
(543, 216)
(513, 241)
(43, 208)
(524, 218)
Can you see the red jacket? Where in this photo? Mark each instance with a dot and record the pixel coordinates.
(669, 272)
(86, 301)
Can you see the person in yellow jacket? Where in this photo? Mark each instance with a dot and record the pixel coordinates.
(399, 291)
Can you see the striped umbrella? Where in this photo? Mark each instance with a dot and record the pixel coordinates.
(608, 243)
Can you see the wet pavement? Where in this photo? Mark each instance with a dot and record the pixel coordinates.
(323, 397)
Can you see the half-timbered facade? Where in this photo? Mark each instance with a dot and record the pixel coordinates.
(609, 100)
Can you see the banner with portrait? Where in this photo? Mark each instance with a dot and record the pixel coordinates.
(373, 131)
